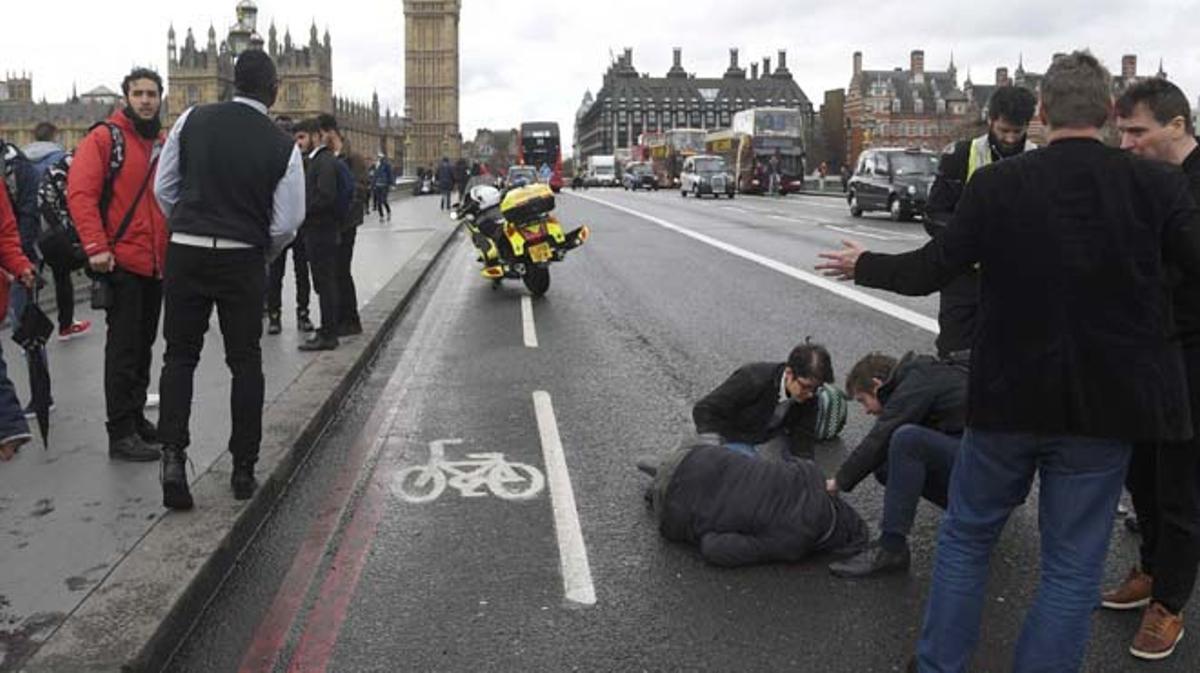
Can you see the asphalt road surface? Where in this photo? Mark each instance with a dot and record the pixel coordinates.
(476, 506)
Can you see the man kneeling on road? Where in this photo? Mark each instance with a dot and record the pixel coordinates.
(741, 510)
(775, 409)
(921, 405)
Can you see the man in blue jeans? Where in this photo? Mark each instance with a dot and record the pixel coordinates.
(921, 405)
(1072, 363)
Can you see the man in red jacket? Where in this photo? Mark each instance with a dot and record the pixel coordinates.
(14, 430)
(125, 237)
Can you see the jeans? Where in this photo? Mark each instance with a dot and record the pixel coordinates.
(279, 268)
(132, 328)
(347, 295)
(197, 279)
(446, 199)
(64, 297)
(1081, 481)
(775, 449)
(381, 202)
(919, 464)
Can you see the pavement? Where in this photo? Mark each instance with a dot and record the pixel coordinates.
(475, 506)
(77, 524)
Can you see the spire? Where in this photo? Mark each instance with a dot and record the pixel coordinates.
(1020, 63)
(171, 32)
(326, 38)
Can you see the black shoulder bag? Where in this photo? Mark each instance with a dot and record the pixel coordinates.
(102, 292)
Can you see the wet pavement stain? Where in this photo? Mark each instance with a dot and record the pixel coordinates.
(21, 642)
(43, 507)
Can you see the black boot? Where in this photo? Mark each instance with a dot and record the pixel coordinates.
(243, 482)
(274, 323)
(320, 343)
(302, 321)
(176, 494)
(350, 328)
(133, 449)
(874, 560)
(147, 431)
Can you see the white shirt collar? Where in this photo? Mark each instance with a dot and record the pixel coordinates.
(314, 152)
(783, 393)
(257, 105)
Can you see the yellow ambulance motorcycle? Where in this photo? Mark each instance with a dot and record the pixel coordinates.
(516, 233)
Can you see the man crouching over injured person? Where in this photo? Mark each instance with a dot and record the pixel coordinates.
(742, 510)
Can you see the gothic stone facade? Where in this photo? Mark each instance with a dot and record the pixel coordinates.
(431, 79)
(630, 103)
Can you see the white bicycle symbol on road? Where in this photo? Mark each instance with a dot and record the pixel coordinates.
(506, 480)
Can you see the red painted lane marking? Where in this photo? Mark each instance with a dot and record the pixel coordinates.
(320, 634)
(269, 636)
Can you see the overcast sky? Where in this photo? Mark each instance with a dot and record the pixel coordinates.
(533, 59)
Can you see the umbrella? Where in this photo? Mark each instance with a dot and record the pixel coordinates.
(32, 333)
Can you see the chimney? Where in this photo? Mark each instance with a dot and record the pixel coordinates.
(1057, 55)
(766, 67)
(733, 59)
(678, 57)
(1001, 76)
(917, 62)
(1129, 66)
(629, 56)
(753, 71)
(782, 60)
(858, 63)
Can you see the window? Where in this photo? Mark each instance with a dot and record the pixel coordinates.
(919, 106)
(895, 105)
(293, 94)
(193, 95)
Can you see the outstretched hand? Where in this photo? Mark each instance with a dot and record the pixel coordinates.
(842, 262)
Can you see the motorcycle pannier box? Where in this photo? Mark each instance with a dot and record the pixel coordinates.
(527, 204)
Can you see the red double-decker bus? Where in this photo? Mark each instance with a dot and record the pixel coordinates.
(541, 149)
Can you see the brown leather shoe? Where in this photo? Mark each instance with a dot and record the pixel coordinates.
(1158, 635)
(1133, 593)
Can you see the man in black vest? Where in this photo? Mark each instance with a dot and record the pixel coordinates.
(232, 185)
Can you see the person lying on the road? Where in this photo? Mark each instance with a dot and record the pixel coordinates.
(921, 407)
(776, 407)
(742, 510)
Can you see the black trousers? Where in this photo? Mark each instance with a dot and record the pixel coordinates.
(322, 244)
(196, 280)
(132, 328)
(64, 297)
(277, 271)
(381, 201)
(1164, 481)
(347, 294)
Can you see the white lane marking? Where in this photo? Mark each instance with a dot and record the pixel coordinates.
(815, 204)
(734, 209)
(527, 324)
(897, 235)
(572, 553)
(886, 307)
(859, 232)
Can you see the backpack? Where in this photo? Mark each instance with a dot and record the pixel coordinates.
(345, 190)
(59, 242)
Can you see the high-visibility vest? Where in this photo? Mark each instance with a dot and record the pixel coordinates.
(980, 154)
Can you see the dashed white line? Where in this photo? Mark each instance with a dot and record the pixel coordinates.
(527, 324)
(870, 301)
(859, 232)
(572, 553)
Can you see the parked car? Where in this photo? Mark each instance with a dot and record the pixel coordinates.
(895, 180)
(639, 175)
(705, 174)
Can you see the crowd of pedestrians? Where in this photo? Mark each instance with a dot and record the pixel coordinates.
(172, 224)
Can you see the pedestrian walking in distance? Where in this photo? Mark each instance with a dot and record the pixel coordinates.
(124, 234)
(232, 184)
(1073, 362)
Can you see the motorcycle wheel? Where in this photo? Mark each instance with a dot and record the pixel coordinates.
(537, 280)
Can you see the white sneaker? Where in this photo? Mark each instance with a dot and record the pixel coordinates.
(151, 401)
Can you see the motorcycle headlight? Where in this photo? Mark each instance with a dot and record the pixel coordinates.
(912, 190)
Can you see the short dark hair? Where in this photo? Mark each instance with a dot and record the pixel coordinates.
(1014, 103)
(811, 361)
(254, 74)
(1164, 100)
(862, 375)
(327, 122)
(141, 73)
(1077, 92)
(306, 126)
(45, 131)
(285, 123)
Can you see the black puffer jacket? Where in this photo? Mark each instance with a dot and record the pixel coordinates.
(921, 390)
(742, 510)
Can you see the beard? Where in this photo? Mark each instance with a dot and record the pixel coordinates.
(1004, 149)
(146, 128)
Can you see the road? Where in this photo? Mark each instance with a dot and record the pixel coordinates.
(556, 565)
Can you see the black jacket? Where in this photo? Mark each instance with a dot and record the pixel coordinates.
(742, 409)
(921, 390)
(445, 176)
(1186, 293)
(1076, 333)
(320, 192)
(742, 510)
